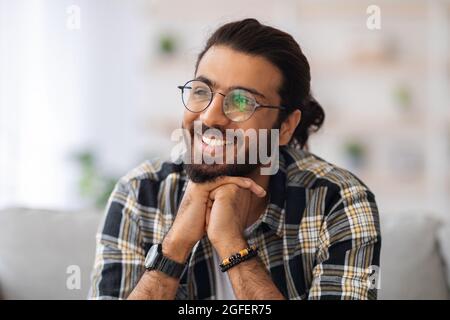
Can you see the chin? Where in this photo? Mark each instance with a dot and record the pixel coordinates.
(200, 173)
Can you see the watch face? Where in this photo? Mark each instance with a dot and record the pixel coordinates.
(155, 260)
(151, 256)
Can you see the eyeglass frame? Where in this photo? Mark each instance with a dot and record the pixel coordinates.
(257, 104)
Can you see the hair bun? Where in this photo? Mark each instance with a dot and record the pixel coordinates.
(312, 119)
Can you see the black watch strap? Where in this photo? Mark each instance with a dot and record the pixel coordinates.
(157, 261)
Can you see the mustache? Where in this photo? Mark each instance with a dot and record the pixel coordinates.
(204, 128)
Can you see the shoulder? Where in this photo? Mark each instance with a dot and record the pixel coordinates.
(144, 181)
(152, 170)
(332, 194)
(308, 171)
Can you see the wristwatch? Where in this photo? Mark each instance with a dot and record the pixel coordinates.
(155, 260)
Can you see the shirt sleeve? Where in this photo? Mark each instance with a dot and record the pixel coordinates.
(119, 260)
(347, 261)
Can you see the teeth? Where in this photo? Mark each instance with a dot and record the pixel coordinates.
(215, 142)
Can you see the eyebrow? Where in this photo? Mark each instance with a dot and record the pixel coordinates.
(213, 84)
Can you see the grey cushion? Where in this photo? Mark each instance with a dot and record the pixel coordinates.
(444, 244)
(411, 264)
(36, 249)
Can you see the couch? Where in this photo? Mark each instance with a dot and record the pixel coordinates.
(42, 251)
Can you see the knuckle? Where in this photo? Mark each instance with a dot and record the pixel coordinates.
(232, 188)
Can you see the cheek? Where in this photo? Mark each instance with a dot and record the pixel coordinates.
(189, 118)
(261, 119)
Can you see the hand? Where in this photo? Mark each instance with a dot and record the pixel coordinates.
(227, 216)
(190, 222)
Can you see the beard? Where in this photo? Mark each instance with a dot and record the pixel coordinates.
(203, 172)
(200, 173)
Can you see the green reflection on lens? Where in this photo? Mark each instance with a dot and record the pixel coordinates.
(240, 101)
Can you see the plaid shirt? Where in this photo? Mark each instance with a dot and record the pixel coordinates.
(319, 237)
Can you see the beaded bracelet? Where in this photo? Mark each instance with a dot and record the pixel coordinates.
(238, 257)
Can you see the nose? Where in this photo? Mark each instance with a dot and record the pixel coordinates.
(213, 115)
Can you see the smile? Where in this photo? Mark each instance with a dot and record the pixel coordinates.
(214, 142)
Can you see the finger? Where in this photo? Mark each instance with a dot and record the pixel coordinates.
(208, 213)
(257, 190)
(242, 182)
(213, 193)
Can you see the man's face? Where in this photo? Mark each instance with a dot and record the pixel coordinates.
(225, 68)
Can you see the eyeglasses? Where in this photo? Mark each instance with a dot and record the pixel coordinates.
(238, 105)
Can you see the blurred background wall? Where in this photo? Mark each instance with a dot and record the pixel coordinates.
(88, 91)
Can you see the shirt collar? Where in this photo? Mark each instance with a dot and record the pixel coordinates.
(274, 215)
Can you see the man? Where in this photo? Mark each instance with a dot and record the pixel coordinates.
(221, 230)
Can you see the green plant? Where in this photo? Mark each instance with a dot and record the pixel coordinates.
(167, 44)
(356, 152)
(403, 97)
(92, 184)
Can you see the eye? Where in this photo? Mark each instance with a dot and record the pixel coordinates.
(200, 91)
(241, 102)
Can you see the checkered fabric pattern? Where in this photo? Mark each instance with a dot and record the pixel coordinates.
(319, 237)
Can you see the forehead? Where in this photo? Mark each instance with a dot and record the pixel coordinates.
(230, 68)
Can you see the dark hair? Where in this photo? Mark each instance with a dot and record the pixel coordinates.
(251, 37)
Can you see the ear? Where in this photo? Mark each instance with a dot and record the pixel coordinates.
(288, 127)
